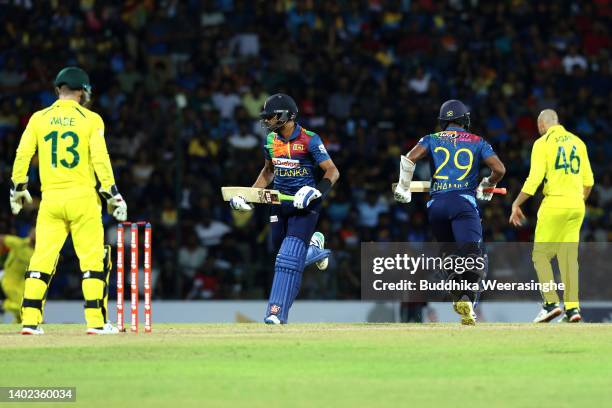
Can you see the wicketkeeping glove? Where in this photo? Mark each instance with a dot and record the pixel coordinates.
(239, 203)
(481, 194)
(305, 196)
(115, 204)
(19, 195)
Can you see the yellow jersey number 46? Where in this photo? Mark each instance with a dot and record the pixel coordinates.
(567, 164)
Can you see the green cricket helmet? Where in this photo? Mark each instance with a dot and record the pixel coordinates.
(74, 78)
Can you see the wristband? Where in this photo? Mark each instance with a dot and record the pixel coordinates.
(324, 186)
(19, 186)
(110, 193)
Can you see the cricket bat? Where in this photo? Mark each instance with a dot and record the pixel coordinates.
(256, 195)
(424, 186)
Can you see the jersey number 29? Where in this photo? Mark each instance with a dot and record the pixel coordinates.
(466, 167)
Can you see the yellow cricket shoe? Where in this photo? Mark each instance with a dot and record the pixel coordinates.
(465, 309)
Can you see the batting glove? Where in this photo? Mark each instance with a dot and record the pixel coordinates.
(305, 196)
(480, 191)
(19, 195)
(239, 203)
(115, 204)
(402, 195)
(402, 192)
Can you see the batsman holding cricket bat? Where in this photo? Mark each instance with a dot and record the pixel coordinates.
(559, 159)
(292, 154)
(71, 153)
(455, 156)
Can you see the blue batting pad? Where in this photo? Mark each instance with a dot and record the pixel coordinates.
(287, 277)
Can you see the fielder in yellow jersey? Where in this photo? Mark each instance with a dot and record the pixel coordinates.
(72, 151)
(560, 159)
(15, 266)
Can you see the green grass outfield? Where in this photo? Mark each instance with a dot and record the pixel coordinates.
(321, 365)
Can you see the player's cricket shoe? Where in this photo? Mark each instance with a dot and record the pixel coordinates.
(32, 330)
(571, 316)
(548, 313)
(272, 319)
(465, 308)
(318, 239)
(106, 329)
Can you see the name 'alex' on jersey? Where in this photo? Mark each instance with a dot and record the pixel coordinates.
(295, 159)
(455, 157)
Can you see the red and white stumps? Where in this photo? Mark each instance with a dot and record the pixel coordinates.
(147, 278)
(120, 278)
(134, 272)
(134, 277)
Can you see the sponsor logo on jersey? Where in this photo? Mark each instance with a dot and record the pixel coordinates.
(448, 134)
(285, 163)
(298, 147)
(322, 149)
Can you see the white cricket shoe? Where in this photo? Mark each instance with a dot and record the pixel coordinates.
(318, 239)
(465, 308)
(272, 319)
(32, 330)
(548, 312)
(108, 328)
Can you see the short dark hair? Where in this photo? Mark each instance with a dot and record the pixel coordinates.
(63, 88)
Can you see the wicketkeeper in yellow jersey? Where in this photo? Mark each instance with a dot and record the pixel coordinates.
(15, 266)
(560, 159)
(71, 153)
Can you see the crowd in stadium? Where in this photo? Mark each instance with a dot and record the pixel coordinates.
(180, 85)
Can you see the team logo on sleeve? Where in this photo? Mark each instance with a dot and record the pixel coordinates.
(322, 149)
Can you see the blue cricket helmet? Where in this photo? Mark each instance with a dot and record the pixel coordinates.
(454, 111)
(277, 111)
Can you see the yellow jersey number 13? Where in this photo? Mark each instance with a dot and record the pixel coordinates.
(71, 151)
